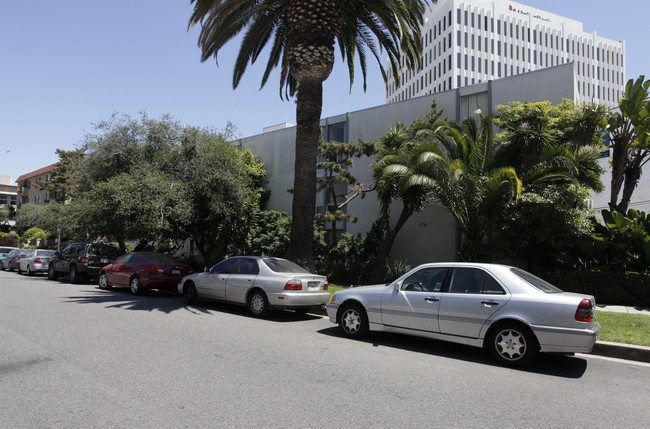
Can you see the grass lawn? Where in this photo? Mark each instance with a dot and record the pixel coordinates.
(624, 328)
(615, 327)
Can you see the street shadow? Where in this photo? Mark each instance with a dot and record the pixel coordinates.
(123, 299)
(545, 364)
(168, 302)
(277, 316)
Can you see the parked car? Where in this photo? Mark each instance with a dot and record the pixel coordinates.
(82, 260)
(10, 262)
(261, 283)
(35, 261)
(4, 251)
(508, 311)
(144, 270)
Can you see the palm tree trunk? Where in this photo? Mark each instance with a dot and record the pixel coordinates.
(308, 111)
(380, 269)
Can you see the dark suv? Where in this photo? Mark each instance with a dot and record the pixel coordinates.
(82, 260)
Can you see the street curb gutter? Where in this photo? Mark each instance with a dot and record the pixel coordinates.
(622, 351)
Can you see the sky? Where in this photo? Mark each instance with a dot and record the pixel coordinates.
(66, 65)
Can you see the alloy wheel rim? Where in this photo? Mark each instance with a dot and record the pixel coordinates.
(511, 345)
(102, 281)
(351, 321)
(134, 285)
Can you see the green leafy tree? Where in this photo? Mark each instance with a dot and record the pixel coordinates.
(628, 130)
(62, 176)
(28, 216)
(302, 35)
(337, 159)
(554, 150)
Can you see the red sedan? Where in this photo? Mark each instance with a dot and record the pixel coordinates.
(144, 270)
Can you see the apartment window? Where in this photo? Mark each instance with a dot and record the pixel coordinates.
(472, 19)
(479, 65)
(458, 38)
(465, 61)
(472, 63)
(478, 21)
(457, 16)
(534, 37)
(498, 47)
(458, 60)
(466, 37)
(472, 41)
(458, 81)
(498, 26)
(479, 42)
(465, 17)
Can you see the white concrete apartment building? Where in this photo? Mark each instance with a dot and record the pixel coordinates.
(467, 42)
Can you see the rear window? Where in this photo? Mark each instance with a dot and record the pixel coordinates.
(45, 252)
(161, 258)
(104, 251)
(284, 266)
(536, 282)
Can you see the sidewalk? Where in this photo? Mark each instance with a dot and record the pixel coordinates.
(618, 350)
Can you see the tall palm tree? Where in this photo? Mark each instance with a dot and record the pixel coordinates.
(302, 35)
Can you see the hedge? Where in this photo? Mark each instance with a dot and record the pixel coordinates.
(608, 287)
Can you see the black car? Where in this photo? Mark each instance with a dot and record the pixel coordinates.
(82, 260)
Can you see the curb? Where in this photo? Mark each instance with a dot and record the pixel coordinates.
(622, 351)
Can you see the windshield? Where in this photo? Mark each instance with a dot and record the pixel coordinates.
(540, 284)
(284, 266)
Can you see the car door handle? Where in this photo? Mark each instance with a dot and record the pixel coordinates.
(489, 303)
(431, 299)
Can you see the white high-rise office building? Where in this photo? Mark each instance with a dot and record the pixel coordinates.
(466, 42)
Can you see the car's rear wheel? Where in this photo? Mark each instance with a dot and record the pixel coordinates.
(51, 273)
(75, 275)
(103, 281)
(512, 344)
(134, 284)
(353, 321)
(10, 267)
(192, 294)
(258, 304)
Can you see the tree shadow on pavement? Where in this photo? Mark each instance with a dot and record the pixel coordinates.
(545, 364)
(123, 299)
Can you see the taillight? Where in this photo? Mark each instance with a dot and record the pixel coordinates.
(585, 311)
(325, 286)
(37, 260)
(293, 285)
(17, 258)
(84, 259)
(154, 269)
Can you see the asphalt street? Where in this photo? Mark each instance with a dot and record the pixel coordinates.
(77, 356)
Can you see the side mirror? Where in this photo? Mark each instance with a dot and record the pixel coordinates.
(397, 286)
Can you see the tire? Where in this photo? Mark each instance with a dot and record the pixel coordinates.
(10, 267)
(103, 281)
(512, 344)
(258, 304)
(192, 294)
(18, 270)
(51, 273)
(135, 286)
(353, 321)
(29, 271)
(75, 275)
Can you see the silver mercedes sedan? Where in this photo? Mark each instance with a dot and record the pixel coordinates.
(508, 311)
(260, 283)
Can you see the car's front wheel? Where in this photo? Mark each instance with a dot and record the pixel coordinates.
(136, 287)
(353, 321)
(192, 294)
(258, 304)
(103, 281)
(512, 344)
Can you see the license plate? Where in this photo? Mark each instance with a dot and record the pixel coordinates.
(313, 285)
(104, 260)
(176, 272)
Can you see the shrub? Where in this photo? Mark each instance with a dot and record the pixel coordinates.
(608, 287)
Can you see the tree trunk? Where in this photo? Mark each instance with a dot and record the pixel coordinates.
(380, 269)
(632, 175)
(308, 111)
(619, 162)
